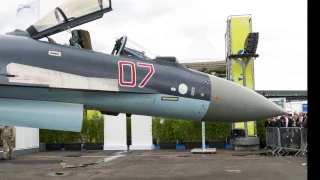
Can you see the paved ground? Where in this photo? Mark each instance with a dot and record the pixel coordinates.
(157, 164)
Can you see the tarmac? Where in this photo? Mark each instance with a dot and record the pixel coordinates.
(225, 164)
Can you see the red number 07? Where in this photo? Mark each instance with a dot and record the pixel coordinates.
(132, 83)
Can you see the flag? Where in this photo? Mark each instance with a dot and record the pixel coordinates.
(31, 8)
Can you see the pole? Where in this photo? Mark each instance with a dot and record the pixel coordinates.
(244, 76)
(203, 136)
(38, 10)
(244, 73)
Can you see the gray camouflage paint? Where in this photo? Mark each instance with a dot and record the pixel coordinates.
(131, 100)
(94, 64)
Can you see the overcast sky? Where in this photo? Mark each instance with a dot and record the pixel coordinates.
(193, 29)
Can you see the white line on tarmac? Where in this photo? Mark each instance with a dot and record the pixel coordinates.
(116, 156)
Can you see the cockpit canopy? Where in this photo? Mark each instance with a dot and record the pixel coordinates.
(127, 47)
(69, 14)
(73, 13)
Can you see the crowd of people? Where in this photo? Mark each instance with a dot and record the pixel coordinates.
(288, 120)
(288, 134)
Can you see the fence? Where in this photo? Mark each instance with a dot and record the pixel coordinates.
(285, 140)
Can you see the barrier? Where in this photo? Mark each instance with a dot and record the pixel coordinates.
(285, 140)
(304, 142)
(290, 140)
(141, 130)
(115, 132)
(273, 139)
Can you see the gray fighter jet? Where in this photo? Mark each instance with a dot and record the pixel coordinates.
(48, 85)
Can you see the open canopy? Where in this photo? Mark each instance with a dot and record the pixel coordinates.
(127, 47)
(68, 15)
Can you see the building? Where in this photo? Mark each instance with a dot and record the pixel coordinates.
(221, 66)
(290, 95)
(215, 66)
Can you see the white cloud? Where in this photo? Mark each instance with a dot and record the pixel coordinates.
(170, 28)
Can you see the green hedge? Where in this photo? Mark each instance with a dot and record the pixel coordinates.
(261, 133)
(92, 131)
(171, 130)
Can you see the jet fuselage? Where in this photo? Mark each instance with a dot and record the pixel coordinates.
(43, 71)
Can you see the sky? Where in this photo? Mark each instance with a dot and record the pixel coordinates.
(189, 30)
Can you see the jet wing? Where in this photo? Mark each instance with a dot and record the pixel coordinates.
(22, 84)
(70, 14)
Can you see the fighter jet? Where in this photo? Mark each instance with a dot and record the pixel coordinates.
(48, 85)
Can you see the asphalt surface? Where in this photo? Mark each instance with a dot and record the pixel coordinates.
(156, 164)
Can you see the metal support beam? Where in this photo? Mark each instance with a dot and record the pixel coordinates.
(244, 64)
(203, 149)
(203, 135)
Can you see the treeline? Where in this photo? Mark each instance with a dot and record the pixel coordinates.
(170, 130)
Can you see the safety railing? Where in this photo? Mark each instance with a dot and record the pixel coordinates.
(304, 142)
(285, 140)
(273, 140)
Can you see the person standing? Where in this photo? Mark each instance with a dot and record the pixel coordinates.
(288, 122)
(300, 120)
(277, 122)
(8, 135)
(296, 131)
(268, 124)
(276, 135)
(305, 128)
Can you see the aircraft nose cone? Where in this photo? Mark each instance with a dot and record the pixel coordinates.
(231, 102)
